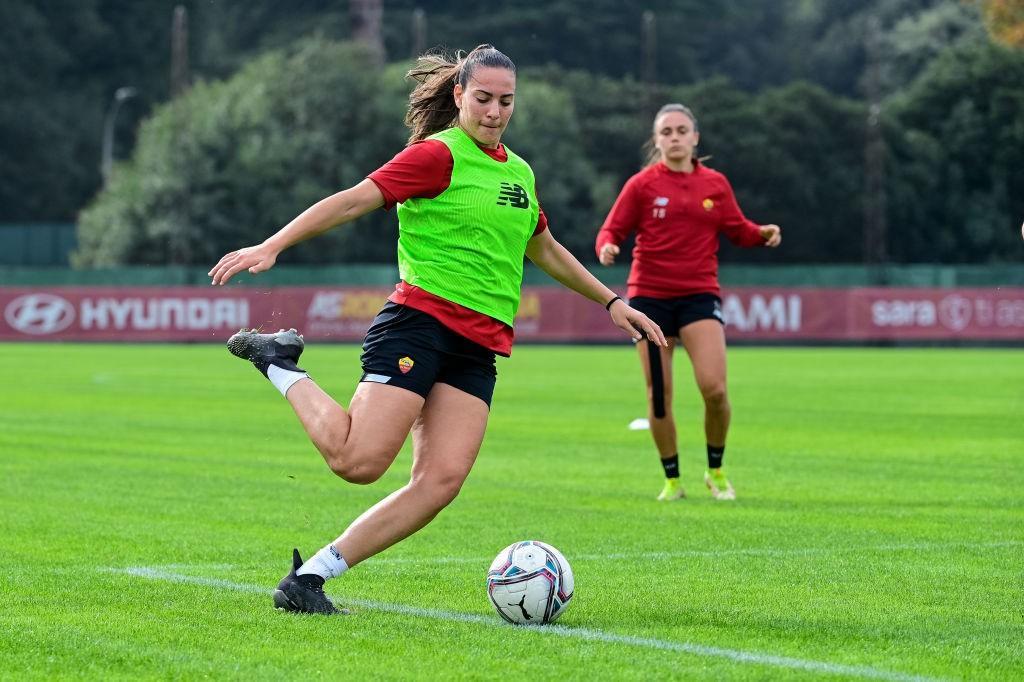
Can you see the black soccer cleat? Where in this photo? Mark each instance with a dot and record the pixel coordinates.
(263, 350)
(303, 593)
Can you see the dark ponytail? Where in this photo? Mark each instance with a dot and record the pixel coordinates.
(432, 102)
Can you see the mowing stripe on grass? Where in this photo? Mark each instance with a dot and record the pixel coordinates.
(867, 672)
(682, 554)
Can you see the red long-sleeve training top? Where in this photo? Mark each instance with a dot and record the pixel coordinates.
(677, 218)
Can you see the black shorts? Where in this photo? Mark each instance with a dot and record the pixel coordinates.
(672, 314)
(410, 349)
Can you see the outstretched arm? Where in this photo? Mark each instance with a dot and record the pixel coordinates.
(555, 259)
(335, 210)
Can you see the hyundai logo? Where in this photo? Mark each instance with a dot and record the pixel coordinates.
(39, 314)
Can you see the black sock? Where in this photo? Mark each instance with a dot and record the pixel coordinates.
(671, 465)
(715, 455)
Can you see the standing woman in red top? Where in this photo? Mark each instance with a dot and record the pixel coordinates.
(678, 207)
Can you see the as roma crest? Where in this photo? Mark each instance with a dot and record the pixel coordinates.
(405, 364)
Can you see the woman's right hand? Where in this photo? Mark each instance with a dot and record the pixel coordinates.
(635, 323)
(608, 254)
(252, 258)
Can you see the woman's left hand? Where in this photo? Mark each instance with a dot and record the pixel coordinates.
(771, 234)
(636, 323)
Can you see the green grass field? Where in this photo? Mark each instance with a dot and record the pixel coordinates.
(150, 497)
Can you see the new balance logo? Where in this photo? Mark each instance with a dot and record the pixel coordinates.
(513, 195)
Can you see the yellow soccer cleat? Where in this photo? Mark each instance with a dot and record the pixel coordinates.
(719, 485)
(673, 490)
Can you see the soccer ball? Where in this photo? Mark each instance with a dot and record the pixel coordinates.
(530, 583)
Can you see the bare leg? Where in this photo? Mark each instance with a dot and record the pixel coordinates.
(446, 439)
(358, 444)
(704, 341)
(663, 428)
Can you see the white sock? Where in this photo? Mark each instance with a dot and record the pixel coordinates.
(283, 378)
(327, 563)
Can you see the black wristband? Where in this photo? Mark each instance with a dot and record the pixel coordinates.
(608, 305)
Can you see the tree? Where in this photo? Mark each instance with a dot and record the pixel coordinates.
(915, 40)
(231, 162)
(62, 64)
(33, 130)
(959, 158)
(1005, 20)
(794, 156)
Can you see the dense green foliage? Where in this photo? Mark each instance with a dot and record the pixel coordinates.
(232, 159)
(779, 88)
(958, 161)
(60, 63)
(879, 523)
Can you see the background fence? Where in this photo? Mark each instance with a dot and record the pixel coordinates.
(793, 304)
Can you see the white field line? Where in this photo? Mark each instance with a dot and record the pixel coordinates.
(588, 634)
(711, 553)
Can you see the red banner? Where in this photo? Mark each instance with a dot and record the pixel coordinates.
(546, 314)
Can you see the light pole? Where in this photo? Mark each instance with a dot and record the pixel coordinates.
(107, 160)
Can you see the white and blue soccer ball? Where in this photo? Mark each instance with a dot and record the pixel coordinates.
(530, 583)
